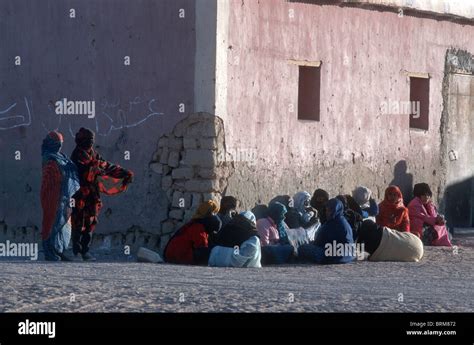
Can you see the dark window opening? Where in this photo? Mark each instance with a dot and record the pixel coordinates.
(420, 103)
(309, 83)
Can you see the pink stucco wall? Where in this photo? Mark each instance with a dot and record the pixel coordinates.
(364, 56)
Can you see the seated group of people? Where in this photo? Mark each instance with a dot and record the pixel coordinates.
(310, 228)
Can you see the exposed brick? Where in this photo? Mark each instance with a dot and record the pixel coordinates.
(202, 186)
(173, 159)
(183, 173)
(177, 195)
(156, 167)
(196, 200)
(188, 214)
(164, 156)
(176, 214)
(175, 143)
(207, 173)
(166, 182)
(208, 143)
(167, 227)
(187, 200)
(189, 143)
(163, 142)
(202, 158)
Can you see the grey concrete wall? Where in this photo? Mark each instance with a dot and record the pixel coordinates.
(457, 131)
(82, 58)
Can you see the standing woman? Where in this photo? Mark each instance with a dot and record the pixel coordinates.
(392, 212)
(96, 176)
(59, 183)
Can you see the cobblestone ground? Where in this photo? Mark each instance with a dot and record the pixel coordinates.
(441, 282)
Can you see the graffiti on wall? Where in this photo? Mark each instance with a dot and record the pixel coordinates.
(113, 115)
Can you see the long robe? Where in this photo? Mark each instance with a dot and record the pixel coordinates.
(59, 183)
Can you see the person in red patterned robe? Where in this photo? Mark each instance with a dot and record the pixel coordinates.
(96, 176)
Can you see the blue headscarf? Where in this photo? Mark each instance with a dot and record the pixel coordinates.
(50, 151)
(277, 212)
(335, 209)
(58, 239)
(336, 229)
(250, 216)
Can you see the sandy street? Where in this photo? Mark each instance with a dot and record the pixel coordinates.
(442, 282)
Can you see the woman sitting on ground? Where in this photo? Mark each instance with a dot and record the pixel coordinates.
(239, 229)
(318, 201)
(425, 222)
(392, 212)
(384, 244)
(304, 216)
(237, 244)
(272, 230)
(273, 236)
(288, 202)
(335, 233)
(190, 244)
(353, 217)
(363, 196)
(206, 209)
(227, 209)
(260, 211)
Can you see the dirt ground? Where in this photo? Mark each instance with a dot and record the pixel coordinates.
(442, 282)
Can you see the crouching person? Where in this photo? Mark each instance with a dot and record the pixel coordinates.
(384, 244)
(190, 244)
(425, 222)
(334, 242)
(237, 244)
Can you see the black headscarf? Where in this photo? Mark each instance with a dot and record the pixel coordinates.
(260, 211)
(320, 206)
(85, 138)
(371, 235)
(237, 231)
(421, 189)
(352, 204)
(212, 224)
(285, 200)
(228, 203)
(353, 218)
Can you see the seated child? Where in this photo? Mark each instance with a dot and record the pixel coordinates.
(425, 222)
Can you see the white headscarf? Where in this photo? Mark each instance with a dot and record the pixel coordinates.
(301, 201)
(362, 196)
(250, 216)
